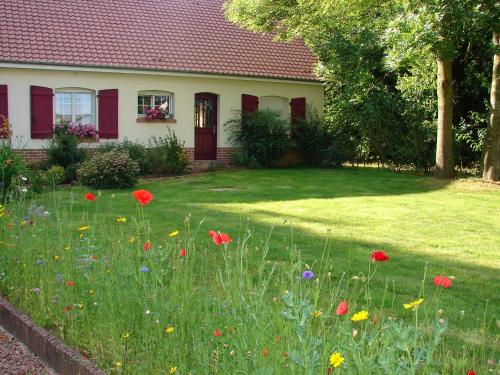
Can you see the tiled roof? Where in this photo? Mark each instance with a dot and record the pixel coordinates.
(169, 35)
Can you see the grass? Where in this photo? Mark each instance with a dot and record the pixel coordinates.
(283, 221)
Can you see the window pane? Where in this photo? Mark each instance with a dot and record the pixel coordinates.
(63, 104)
(83, 103)
(148, 100)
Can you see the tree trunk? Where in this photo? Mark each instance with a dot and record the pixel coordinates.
(491, 153)
(444, 148)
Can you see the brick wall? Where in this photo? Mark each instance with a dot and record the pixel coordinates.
(31, 155)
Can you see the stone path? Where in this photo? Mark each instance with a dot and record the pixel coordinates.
(16, 359)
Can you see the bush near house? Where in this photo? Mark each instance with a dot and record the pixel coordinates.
(109, 169)
(137, 152)
(63, 150)
(263, 138)
(167, 155)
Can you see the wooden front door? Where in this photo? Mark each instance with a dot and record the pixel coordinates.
(205, 127)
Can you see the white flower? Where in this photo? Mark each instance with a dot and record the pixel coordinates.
(24, 178)
(24, 190)
(148, 312)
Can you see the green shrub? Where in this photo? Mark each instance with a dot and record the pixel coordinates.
(109, 169)
(167, 154)
(136, 151)
(63, 150)
(320, 143)
(12, 167)
(262, 137)
(54, 175)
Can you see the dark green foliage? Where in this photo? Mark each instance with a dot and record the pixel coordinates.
(167, 155)
(320, 143)
(12, 167)
(136, 151)
(63, 150)
(263, 137)
(109, 169)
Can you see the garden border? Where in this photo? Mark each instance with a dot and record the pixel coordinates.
(48, 348)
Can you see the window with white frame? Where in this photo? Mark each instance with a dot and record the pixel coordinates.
(155, 105)
(74, 105)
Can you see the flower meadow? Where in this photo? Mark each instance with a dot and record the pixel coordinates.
(188, 301)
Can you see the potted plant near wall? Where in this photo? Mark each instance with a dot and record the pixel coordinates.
(159, 112)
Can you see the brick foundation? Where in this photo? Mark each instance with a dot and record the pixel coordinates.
(31, 155)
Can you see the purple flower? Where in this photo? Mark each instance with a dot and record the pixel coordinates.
(39, 262)
(144, 269)
(36, 290)
(307, 274)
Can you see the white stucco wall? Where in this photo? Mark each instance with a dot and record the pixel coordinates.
(183, 86)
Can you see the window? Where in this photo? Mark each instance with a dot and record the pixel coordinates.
(155, 105)
(75, 105)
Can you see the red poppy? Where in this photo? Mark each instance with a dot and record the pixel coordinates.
(90, 197)
(220, 238)
(217, 333)
(68, 308)
(265, 352)
(442, 281)
(85, 355)
(471, 372)
(342, 308)
(70, 283)
(183, 253)
(143, 197)
(379, 256)
(147, 246)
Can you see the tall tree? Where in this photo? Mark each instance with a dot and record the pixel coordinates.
(436, 28)
(491, 158)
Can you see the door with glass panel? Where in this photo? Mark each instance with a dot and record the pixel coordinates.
(205, 126)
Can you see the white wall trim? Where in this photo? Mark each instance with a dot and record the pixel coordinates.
(151, 72)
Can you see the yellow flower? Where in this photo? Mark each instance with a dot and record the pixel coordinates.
(126, 335)
(131, 239)
(174, 233)
(67, 248)
(55, 257)
(2, 210)
(118, 364)
(359, 316)
(121, 219)
(169, 330)
(413, 303)
(83, 228)
(172, 370)
(336, 359)
(317, 313)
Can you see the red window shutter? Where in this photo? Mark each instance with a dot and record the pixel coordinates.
(249, 103)
(108, 114)
(4, 102)
(42, 112)
(298, 109)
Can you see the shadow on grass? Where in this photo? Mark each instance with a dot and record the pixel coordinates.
(252, 186)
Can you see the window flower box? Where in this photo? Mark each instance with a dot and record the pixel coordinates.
(157, 120)
(86, 133)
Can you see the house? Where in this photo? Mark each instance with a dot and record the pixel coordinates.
(112, 62)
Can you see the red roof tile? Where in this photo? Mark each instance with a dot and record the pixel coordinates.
(170, 35)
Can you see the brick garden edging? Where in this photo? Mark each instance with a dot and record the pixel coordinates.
(51, 350)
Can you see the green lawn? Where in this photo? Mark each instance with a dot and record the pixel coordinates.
(333, 218)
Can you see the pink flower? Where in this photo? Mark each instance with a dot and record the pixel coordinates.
(220, 238)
